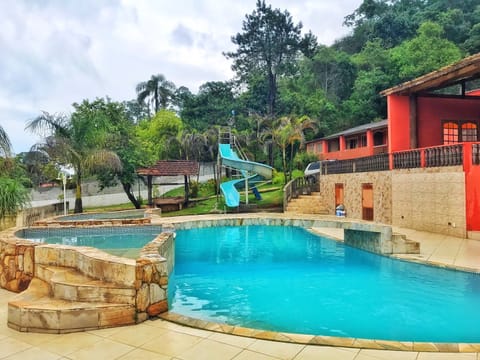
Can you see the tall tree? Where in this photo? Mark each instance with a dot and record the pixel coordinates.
(77, 140)
(156, 134)
(158, 90)
(426, 52)
(269, 47)
(120, 139)
(211, 106)
(288, 131)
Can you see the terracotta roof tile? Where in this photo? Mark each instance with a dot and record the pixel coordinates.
(171, 168)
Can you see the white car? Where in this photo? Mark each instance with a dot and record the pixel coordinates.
(312, 170)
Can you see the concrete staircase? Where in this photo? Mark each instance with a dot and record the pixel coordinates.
(62, 300)
(307, 204)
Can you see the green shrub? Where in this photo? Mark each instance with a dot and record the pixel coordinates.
(297, 173)
(278, 178)
(193, 188)
(13, 196)
(302, 159)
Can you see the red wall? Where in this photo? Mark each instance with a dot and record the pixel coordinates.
(472, 189)
(398, 123)
(347, 153)
(431, 112)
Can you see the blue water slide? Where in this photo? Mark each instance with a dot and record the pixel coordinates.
(230, 158)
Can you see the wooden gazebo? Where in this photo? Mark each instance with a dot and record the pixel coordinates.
(169, 168)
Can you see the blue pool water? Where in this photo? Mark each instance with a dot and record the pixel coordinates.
(287, 279)
(121, 240)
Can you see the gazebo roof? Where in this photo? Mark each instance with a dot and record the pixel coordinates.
(171, 168)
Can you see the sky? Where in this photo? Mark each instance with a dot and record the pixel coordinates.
(54, 53)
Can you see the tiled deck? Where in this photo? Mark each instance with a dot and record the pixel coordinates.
(159, 339)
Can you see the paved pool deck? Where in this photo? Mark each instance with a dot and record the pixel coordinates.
(160, 339)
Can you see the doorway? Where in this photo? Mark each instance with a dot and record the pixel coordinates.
(338, 195)
(367, 202)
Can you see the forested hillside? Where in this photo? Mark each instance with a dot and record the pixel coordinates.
(338, 86)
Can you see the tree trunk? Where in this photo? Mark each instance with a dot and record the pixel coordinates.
(272, 93)
(78, 194)
(128, 190)
(78, 199)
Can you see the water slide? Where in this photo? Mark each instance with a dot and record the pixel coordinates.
(249, 170)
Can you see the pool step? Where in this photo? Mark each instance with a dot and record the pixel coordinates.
(37, 310)
(307, 204)
(402, 245)
(70, 284)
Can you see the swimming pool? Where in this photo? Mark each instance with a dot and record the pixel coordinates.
(126, 241)
(284, 278)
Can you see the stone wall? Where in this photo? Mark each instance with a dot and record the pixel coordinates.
(426, 199)
(430, 199)
(16, 263)
(153, 267)
(28, 216)
(7, 222)
(352, 187)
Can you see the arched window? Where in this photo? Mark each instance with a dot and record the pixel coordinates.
(450, 133)
(469, 131)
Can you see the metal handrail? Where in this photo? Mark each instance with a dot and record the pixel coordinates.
(298, 186)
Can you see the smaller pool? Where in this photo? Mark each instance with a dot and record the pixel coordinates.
(125, 241)
(127, 214)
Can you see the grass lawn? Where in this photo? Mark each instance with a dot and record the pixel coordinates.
(207, 202)
(272, 197)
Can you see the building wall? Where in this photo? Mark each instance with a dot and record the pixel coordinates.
(398, 123)
(427, 199)
(347, 153)
(430, 199)
(432, 111)
(352, 188)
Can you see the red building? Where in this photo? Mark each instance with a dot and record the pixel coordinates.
(441, 109)
(432, 136)
(364, 140)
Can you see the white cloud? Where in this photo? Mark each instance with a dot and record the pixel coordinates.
(57, 52)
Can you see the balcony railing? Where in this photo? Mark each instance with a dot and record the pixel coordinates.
(369, 163)
(449, 155)
(476, 154)
(439, 156)
(407, 159)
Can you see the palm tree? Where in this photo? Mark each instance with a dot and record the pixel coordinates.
(5, 145)
(75, 141)
(287, 131)
(158, 89)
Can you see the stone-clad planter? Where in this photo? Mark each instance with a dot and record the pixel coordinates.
(96, 279)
